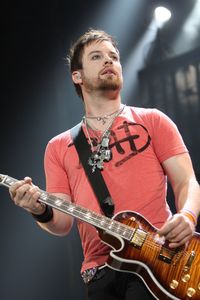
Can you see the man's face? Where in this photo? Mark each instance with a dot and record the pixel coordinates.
(102, 69)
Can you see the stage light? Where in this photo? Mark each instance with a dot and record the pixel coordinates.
(162, 15)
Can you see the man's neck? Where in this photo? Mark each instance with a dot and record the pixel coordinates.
(101, 104)
(100, 109)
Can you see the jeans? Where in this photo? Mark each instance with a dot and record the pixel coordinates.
(114, 285)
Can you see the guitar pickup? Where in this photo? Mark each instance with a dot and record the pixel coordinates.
(138, 238)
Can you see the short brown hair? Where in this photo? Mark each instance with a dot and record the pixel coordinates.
(74, 58)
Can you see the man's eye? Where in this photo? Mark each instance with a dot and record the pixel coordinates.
(115, 57)
(96, 56)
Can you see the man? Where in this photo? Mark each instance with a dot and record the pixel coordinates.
(143, 146)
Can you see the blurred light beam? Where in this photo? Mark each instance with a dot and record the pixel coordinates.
(136, 62)
(188, 37)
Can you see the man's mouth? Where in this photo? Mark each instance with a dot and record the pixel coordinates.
(108, 71)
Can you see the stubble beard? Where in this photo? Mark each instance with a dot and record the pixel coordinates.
(108, 84)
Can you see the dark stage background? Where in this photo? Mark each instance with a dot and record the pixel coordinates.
(38, 101)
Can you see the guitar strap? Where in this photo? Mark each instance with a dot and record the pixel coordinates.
(95, 178)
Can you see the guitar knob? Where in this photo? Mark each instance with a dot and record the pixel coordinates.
(185, 278)
(174, 284)
(191, 292)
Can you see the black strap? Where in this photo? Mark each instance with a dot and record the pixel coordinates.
(96, 179)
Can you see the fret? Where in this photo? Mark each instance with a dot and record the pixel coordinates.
(10, 181)
(92, 218)
(110, 225)
(84, 214)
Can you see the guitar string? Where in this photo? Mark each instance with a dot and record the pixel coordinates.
(109, 222)
(95, 217)
(151, 244)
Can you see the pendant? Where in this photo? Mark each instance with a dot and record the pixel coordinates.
(98, 157)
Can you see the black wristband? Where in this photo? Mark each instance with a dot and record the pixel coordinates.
(46, 216)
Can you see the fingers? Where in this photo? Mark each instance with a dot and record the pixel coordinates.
(179, 241)
(28, 180)
(177, 230)
(26, 195)
(14, 187)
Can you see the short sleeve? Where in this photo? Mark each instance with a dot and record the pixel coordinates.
(166, 138)
(56, 176)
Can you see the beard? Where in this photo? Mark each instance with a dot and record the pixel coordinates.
(111, 83)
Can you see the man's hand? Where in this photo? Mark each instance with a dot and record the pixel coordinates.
(25, 195)
(177, 230)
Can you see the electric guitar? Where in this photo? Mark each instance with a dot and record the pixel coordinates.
(137, 248)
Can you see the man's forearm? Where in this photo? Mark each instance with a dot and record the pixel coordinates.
(60, 224)
(188, 196)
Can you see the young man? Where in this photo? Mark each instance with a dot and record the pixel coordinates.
(143, 146)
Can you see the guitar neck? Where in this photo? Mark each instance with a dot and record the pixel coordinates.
(81, 213)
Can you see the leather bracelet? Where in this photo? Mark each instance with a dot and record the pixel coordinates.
(46, 216)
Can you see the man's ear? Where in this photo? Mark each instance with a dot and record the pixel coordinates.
(76, 77)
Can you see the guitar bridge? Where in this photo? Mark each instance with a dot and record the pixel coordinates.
(138, 238)
(167, 254)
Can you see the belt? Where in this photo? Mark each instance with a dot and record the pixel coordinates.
(93, 274)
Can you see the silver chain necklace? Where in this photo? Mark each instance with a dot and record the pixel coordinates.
(102, 153)
(102, 119)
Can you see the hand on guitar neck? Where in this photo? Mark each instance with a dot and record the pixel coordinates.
(26, 195)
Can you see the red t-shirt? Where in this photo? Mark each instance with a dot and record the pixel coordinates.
(141, 139)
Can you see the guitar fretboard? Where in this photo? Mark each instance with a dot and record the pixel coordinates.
(111, 226)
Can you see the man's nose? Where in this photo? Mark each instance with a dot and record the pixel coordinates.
(108, 60)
